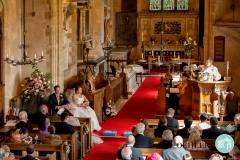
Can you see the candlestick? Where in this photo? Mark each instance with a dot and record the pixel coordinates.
(42, 53)
(179, 57)
(152, 53)
(153, 43)
(227, 65)
(35, 57)
(142, 36)
(142, 55)
(158, 58)
(174, 54)
(187, 36)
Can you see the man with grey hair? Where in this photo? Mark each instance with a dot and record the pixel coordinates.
(42, 115)
(126, 153)
(23, 121)
(136, 153)
(176, 151)
(171, 122)
(141, 140)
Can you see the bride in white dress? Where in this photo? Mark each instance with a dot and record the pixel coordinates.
(81, 104)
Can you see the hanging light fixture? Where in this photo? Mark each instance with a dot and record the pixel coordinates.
(25, 59)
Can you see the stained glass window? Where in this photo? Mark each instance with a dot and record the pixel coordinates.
(182, 4)
(155, 5)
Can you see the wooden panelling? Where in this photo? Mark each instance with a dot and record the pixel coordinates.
(219, 48)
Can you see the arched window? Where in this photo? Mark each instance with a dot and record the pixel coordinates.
(170, 5)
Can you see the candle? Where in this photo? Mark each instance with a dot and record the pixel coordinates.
(152, 53)
(7, 55)
(35, 56)
(142, 55)
(158, 58)
(42, 53)
(153, 43)
(174, 54)
(185, 43)
(187, 36)
(227, 64)
(142, 36)
(26, 53)
(195, 43)
(179, 57)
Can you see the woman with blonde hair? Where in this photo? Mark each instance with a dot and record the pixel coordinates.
(234, 153)
(194, 142)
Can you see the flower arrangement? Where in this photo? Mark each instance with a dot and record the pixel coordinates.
(85, 128)
(37, 85)
(66, 148)
(110, 110)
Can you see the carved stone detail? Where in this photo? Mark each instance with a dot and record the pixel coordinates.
(207, 91)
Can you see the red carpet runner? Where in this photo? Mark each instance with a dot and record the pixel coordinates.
(141, 105)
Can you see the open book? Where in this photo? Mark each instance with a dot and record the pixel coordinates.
(60, 111)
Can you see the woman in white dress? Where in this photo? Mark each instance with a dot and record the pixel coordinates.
(81, 104)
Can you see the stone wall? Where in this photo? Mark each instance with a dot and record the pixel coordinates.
(221, 9)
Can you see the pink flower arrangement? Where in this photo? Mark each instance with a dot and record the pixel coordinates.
(110, 110)
(38, 85)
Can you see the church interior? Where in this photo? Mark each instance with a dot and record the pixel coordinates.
(132, 54)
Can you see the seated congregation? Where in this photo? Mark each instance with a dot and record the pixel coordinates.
(168, 141)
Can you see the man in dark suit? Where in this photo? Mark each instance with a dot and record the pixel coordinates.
(184, 132)
(23, 121)
(64, 127)
(141, 140)
(171, 122)
(136, 153)
(213, 132)
(56, 100)
(30, 150)
(162, 126)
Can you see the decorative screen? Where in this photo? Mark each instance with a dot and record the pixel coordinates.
(182, 4)
(168, 27)
(155, 5)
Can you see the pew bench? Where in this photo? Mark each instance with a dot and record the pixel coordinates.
(50, 157)
(38, 147)
(194, 154)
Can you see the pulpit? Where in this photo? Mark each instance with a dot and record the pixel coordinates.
(201, 97)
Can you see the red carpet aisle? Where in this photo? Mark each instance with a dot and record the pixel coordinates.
(141, 105)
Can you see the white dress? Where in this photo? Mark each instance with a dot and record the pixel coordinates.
(85, 112)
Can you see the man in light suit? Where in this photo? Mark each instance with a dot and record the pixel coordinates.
(57, 100)
(136, 153)
(171, 122)
(141, 140)
(211, 69)
(30, 150)
(213, 132)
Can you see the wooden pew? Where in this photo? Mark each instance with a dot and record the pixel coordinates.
(154, 122)
(86, 139)
(71, 139)
(195, 154)
(51, 157)
(38, 147)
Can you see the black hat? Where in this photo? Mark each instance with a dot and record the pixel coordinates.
(204, 115)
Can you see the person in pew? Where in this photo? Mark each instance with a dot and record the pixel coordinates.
(126, 153)
(141, 140)
(234, 153)
(154, 156)
(43, 111)
(184, 132)
(162, 126)
(90, 83)
(176, 151)
(213, 132)
(203, 125)
(187, 157)
(171, 122)
(5, 153)
(23, 121)
(57, 100)
(81, 105)
(148, 132)
(43, 126)
(51, 138)
(167, 140)
(216, 156)
(30, 150)
(194, 142)
(136, 154)
(20, 136)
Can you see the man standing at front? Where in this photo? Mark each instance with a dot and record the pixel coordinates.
(56, 100)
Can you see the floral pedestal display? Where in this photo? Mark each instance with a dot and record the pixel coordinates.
(110, 109)
(66, 150)
(37, 88)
